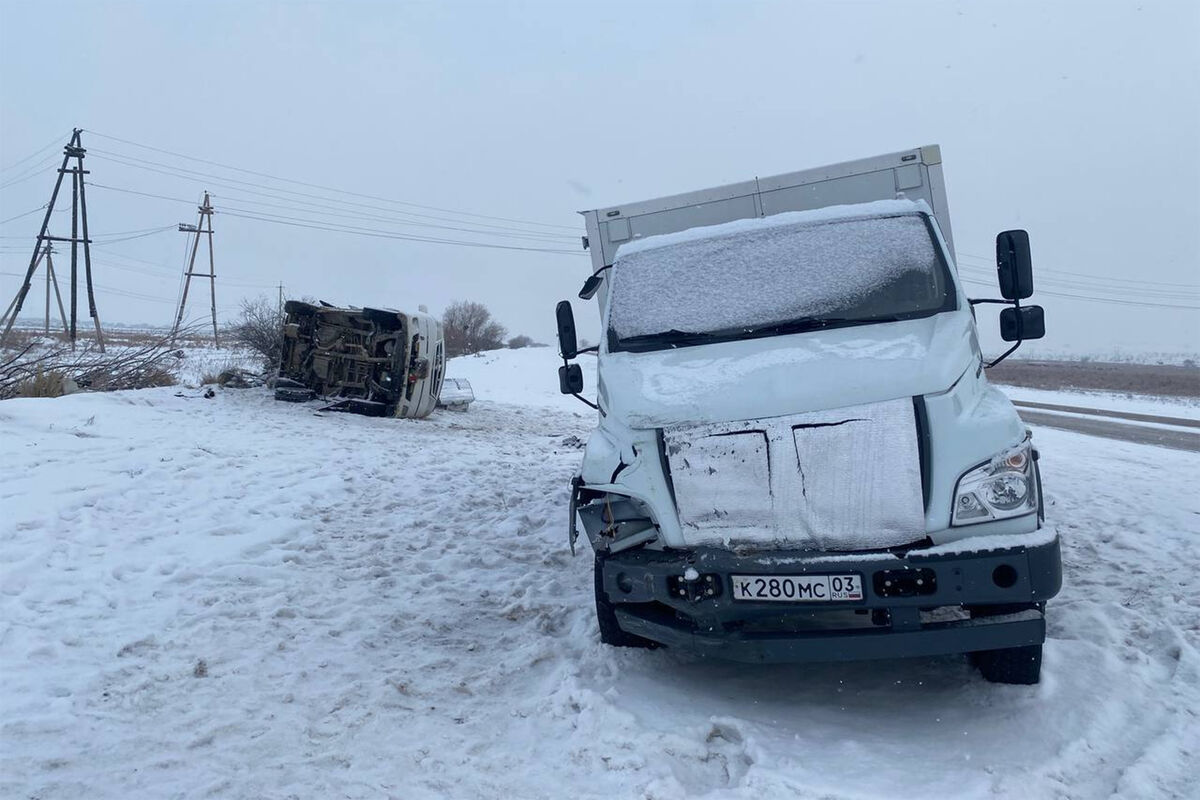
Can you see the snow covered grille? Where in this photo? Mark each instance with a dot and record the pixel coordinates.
(844, 479)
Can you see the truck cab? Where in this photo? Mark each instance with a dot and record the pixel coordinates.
(798, 456)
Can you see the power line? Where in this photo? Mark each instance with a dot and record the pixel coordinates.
(142, 295)
(331, 188)
(989, 264)
(96, 238)
(139, 230)
(162, 275)
(277, 193)
(114, 290)
(162, 270)
(1085, 286)
(154, 232)
(378, 218)
(322, 211)
(143, 194)
(19, 216)
(501, 233)
(32, 172)
(127, 257)
(381, 234)
(337, 228)
(333, 211)
(1096, 299)
(353, 229)
(55, 141)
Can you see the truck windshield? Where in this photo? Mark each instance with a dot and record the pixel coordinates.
(765, 279)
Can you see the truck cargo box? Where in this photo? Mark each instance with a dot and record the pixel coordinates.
(915, 174)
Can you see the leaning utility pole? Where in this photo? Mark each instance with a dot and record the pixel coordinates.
(52, 281)
(206, 212)
(73, 150)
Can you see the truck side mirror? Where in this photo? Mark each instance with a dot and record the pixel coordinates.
(567, 345)
(1019, 324)
(570, 379)
(590, 287)
(1014, 265)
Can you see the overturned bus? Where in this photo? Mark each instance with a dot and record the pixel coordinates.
(370, 361)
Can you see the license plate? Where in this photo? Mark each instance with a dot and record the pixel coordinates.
(797, 588)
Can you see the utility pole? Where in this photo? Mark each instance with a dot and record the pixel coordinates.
(206, 212)
(73, 150)
(281, 301)
(52, 281)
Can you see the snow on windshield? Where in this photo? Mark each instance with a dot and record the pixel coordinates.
(762, 274)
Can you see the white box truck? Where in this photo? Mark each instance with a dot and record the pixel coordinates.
(798, 456)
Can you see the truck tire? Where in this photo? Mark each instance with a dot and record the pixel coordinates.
(1017, 665)
(610, 632)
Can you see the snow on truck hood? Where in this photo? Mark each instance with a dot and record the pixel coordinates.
(843, 479)
(774, 376)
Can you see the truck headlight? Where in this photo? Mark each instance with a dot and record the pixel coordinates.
(1003, 487)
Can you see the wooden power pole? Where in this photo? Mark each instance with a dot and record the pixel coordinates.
(52, 282)
(73, 150)
(202, 227)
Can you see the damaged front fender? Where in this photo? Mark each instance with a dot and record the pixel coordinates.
(617, 523)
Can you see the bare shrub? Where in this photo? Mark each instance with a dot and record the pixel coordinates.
(45, 383)
(260, 330)
(30, 368)
(517, 342)
(219, 374)
(108, 376)
(469, 328)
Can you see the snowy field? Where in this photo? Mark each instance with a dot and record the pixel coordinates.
(237, 598)
(1181, 407)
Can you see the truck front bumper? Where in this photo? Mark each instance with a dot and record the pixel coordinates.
(897, 617)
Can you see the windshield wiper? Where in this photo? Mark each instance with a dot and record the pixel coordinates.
(672, 336)
(678, 338)
(817, 323)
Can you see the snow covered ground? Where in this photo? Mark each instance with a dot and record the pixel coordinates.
(201, 360)
(238, 598)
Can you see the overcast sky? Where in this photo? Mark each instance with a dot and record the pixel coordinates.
(1078, 121)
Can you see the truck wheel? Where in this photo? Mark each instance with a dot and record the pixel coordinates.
(1019, 665)
(610, 631)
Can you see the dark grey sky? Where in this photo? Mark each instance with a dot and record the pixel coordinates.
(1078, 121)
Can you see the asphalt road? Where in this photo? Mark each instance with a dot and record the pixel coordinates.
(1100, 422)
(1124, 415)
